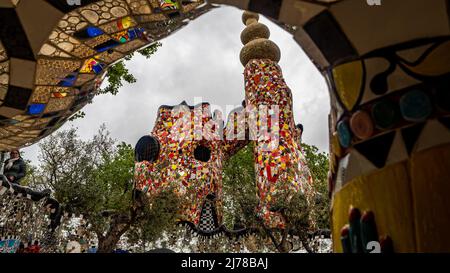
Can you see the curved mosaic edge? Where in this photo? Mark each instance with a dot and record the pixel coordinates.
(56, 79)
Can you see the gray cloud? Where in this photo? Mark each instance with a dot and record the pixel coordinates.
(202, 60)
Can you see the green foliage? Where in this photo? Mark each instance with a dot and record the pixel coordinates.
(240, 190)
(113, 177)
(118, 74)
(148, 51)
(87, 176)
(240, 195)
(297, 213)
(95, 178)
(158, 218)
(318, 165)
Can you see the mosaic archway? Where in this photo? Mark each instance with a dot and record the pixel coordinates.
(53, 55)
(387, 67)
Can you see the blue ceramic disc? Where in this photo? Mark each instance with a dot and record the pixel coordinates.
(344, 134)
(415, 106)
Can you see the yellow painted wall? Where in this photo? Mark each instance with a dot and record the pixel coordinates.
(411, 202)
(430, 175)
(387, 194)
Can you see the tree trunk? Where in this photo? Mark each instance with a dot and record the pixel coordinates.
(306, 245)
(284, 247)
(107, 243)
(279, 246)
(120, 224)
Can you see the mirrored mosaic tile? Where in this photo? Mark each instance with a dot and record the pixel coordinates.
(31, 133)
(14, 129)
(42, 121)
(135, 44)
(9, 141)
(109, 57)
(83, 78)
(21, 117)
(42, 94)
(88, 87)
(58, 104)
(118, 25)
(97, 40)
(26, 124)
(151, 18)
(39, 127)
(139, 6)
(5, 147)
(155, 5)
(191, 6)
(51, 72)
(4, 133)
(17, 139)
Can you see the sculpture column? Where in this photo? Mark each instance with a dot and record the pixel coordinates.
(279, 163)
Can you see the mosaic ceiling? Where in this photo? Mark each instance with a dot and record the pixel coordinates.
(54, 55)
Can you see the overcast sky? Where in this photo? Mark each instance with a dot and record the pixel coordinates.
(202, 60)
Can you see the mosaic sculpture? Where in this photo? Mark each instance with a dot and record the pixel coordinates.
(388, 81)
(190, 160)
(280, 165)
(27, 216)
(30, 216)
(389, 126)
(192, 167)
